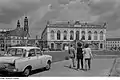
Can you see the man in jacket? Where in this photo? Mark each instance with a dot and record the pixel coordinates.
(72, 55)
(79, 56)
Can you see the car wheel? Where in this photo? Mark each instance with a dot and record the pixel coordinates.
(48, 66)
(27, 72)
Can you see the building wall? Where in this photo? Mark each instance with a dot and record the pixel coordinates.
(61, 41)
(112, 44)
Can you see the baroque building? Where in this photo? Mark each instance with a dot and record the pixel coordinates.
(58, 35)
(18, 36)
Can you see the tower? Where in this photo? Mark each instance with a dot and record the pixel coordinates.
(26, 28)
(18, 24)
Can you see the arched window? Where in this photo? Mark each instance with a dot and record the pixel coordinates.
(101, 35)
(71, 35)
(95, 35)
(77, 35)
(83, 35)
(52, 45)
(89, 35)
(65, 35)
(58, 35)
(101, 46)
(52, 35)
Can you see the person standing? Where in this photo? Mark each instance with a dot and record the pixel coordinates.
(79, 56)
(87, 56)
(72, 55)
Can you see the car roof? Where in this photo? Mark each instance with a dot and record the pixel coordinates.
(26, 47)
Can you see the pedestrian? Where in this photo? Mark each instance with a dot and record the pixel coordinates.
(72, 55)
(66, 47)
(79, 56)
(87, 57)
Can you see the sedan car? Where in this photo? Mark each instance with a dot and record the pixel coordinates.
(24, 59)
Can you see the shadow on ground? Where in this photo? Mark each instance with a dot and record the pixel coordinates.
(5, 74)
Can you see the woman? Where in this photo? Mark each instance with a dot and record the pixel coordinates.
(87, 56)
(79, 56)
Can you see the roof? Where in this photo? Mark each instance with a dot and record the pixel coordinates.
(26, 47)
(65, 24)
(17, 32)
(113, 39)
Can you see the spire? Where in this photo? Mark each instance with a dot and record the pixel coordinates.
(26, 24)
(18, 24)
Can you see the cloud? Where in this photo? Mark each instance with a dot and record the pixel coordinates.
(13, 9)
(113, 34)
(39, 11)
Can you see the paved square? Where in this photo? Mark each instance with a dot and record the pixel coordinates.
(100, 68)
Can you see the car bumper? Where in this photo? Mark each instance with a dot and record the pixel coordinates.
(8, 70)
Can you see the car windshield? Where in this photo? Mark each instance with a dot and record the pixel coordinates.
(17, 52)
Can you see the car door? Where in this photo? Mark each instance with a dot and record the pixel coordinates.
(40, 58)
(33, 59)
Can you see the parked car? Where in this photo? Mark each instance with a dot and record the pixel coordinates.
(24, 59)
(45, 49)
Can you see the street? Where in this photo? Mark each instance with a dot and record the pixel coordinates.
(100, 68)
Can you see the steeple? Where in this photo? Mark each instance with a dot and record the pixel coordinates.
(26, 28)
(18, 24)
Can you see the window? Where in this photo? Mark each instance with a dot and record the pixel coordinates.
(71, 35)
(18, 52)
(58, 35)
(65, 35)
(77, 35)
(89, 35)
(38, 52)
(32, 53)
(101, 46)
(83, 35)
(95, 35)
(13, 41)
(52, 35)
(52, 45)
(17, 41)
(101, 35)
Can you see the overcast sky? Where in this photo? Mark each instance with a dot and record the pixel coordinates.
(39, 11)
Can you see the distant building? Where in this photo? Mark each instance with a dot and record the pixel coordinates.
(57, 35)
(16, 37)
(2, 39)
(113, 43)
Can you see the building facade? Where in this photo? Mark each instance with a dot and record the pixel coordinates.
(57, 35)
(15, 37)
(18, 36)
(113, 43)
(2, 39)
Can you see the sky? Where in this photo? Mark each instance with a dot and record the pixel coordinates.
(40, 11)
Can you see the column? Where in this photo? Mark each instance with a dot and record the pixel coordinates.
(61, 35)
(92, 36)
(55, 33)
(86, 35)
(68, 34)
(98, 37)
(80, 35)
(74, 34)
